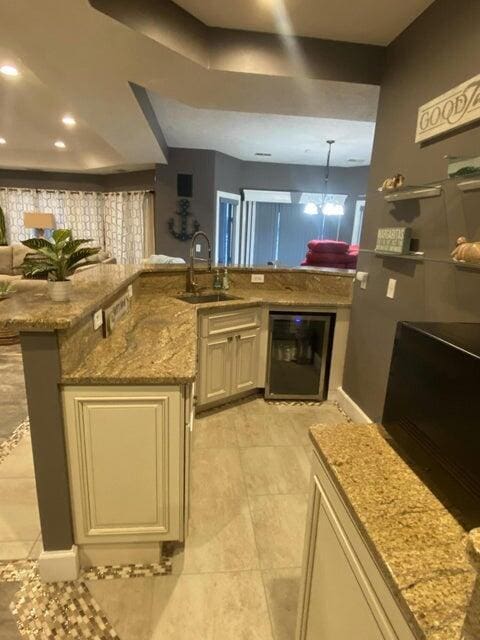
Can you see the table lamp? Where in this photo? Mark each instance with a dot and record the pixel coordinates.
(38, 221)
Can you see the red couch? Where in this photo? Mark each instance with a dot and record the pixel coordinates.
(331, 253)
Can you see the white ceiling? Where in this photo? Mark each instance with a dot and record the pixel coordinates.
(75, 59)
(289, 139)
(364, 21)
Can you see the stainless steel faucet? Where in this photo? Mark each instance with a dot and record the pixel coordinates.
(192, 286)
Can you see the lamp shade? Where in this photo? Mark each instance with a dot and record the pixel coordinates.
(35, 220)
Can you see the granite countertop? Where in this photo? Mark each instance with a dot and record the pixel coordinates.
(31, 308)
(420, 548)
(156, 342)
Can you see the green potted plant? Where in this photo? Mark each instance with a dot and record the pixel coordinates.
(57, 259)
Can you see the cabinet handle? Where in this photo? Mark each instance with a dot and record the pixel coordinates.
(230, 338)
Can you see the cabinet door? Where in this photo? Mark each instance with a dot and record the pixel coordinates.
(215, 368)
(338, 601)
(125, 452)
(245, 362)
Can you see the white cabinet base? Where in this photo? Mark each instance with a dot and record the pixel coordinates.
(59, 566)
(125, 449)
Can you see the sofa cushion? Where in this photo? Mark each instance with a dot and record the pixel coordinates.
(20, 251)
(325, 258)
(328, 246)
(6, 260)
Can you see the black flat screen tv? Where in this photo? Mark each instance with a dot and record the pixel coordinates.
(432, 410)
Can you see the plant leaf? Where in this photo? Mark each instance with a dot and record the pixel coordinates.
(61, 235)
(72, 245)
(81, 254)
(37, 243)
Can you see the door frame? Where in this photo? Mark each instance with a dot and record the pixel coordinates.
(226, 196)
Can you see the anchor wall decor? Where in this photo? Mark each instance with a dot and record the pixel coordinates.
(183, 234)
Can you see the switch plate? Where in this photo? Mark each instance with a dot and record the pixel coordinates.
(391, 288)
(258, 278)
(130, 291)
(198, 248)
(97, 319)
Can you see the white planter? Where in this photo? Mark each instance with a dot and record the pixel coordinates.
(60, 291)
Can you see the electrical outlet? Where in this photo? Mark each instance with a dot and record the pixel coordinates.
(362, 277)
(97, 319)
(130, 291)
(391, 288)
(258, 278)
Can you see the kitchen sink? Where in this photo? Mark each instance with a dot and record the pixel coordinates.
(198, 298)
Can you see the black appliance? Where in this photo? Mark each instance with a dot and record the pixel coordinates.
(299, 354)
(432, 410)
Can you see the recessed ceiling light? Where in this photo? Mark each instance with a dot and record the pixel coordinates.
(69, 121)
(9, 70)
(264, 155)
(3, 141)
(60, 144)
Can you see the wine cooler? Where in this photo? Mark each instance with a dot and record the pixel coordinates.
(299, 352)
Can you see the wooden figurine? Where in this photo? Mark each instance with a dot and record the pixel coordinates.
(392, 184)
(466, 251)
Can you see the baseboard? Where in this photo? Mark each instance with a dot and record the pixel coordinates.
(93, 555)
(351, 408)
(59, 566)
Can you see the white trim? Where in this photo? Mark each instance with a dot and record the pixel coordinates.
(351, 408)
(229, 196)
(59, 566)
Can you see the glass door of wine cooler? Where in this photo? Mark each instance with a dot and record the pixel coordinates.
(299, 355)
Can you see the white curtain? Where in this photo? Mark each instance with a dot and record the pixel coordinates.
(123, 216)
(122, 223)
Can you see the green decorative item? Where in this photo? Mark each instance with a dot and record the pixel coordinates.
(57, 259)
(184, 214)
(395, 240)
(6, 289)
(3, 229)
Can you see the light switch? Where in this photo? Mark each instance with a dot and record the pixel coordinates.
(198, 248)
(97, 319)
(130, 291)
(391, 288)
(259, 278)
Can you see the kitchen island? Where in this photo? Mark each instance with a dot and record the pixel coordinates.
(111, 417)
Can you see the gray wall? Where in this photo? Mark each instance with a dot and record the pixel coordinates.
(201, 164)
(81, 181)
(233, 175)
(437, 52)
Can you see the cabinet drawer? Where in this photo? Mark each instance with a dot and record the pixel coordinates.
(213, 324)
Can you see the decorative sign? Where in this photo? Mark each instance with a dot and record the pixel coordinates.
(449, 111)
(113, 313)
(394, 240)
(184, 214)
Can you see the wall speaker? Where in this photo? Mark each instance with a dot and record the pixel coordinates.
(184, 185)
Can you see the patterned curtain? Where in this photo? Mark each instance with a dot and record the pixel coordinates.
(123, 216)
(121, 223)
(14, 203)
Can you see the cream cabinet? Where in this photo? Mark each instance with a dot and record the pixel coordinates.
(344, 594)
(126, 456)
(230, 355)
(228, 365)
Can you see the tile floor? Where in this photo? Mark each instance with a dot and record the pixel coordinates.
(237, 576)
(12, 390)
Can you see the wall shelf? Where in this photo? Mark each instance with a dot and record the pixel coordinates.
(399, 256)
(469, 185)
(414, 193)
(467, 266)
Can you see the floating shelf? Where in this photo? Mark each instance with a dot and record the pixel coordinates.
(414, 193)
(401, 256)
(467, 266)
(469, 185)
